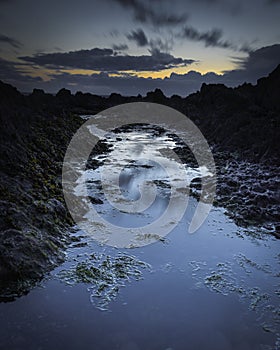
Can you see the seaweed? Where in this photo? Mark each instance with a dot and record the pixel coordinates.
(105, 275)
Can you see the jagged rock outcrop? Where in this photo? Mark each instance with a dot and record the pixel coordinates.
(245, 119)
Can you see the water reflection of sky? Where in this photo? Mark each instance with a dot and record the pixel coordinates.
(215, 289)
(133, 161)
(171, 307)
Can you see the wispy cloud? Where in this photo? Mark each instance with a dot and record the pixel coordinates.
(156, 45)
(211, 38)
(10, 41)
(139, 37)
(145, 13)
(161, 45)
(120, 47)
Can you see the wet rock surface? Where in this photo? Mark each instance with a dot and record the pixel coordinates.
(33, 216)
(248, 190)
(241, 126)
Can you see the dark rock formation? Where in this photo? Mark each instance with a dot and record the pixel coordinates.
(33, 218)
(245, 119)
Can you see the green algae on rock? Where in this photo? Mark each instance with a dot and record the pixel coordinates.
(33, 217)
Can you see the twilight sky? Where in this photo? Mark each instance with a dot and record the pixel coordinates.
(133, 46)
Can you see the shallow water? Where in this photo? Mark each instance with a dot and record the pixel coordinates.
(215, 289)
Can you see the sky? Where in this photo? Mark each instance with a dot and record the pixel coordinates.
(135, 46)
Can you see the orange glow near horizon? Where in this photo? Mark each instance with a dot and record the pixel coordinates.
(80, 71)
(201, 67)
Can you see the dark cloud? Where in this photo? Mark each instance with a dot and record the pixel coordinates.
(160, 45)
(156, 45)
(246, 48)
(231, 7)
(212, 37)
(145, 13)
(120, 47)
(11, 72)
(139, 37)
(8, 70)
(107, 60)
(258, 63)
(10, 41)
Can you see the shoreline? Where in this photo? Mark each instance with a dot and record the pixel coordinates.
(36, 130)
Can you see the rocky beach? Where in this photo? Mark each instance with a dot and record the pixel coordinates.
(240, 124)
